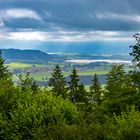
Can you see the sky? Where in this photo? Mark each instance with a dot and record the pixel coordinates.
(30, 23)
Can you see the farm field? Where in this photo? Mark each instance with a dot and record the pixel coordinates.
(42, 72)
(19, 65)
(45, 75)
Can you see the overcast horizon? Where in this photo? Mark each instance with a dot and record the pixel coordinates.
(28, 24)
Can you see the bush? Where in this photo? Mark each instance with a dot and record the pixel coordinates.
(124, 127)
(32, 112)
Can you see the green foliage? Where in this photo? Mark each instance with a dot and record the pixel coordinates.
(57, 82)
(95, 90)
(28, 84)
(136, 50)
(34, 87)
(34, 111)
(29, 112)
(115, 80)
(136, 58)
(25, 82)
(124, 127)
(120, 91)
(5, 76)
(73, 85)
(82, 93)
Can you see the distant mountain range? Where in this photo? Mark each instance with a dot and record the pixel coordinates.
(28, 56)
(97, 47)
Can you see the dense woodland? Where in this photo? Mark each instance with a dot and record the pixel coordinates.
(68, 111)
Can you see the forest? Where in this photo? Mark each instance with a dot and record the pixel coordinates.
(68, 111)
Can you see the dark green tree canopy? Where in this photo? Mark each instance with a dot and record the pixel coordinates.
(57, 82)
(5, 74)
(81, 97)
(73, 83)
(136, 58)
(95, 89)
(136, 50)
(115, 79)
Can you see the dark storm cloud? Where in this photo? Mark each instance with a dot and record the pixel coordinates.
(80, 15)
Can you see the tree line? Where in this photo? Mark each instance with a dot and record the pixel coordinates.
(68, 111)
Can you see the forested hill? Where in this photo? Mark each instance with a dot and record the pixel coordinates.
(28, 56)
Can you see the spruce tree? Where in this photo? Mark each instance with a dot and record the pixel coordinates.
(25, 82)
(73, 85)
(34, 87)
(5, 75)
(136, 58)
(116, 80)
(95, 89)
(81, 93)
(57, 82)
(118, 92)
(136, 50)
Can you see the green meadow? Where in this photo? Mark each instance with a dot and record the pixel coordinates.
(19, 65)
(43, 76)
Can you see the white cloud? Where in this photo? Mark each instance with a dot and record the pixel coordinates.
(27, 36)
(67, 36)
(114, 16)
(19, 13)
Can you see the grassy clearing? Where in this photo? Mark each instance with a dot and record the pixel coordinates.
(46, 75)
(97, 70)
(39, 76)
(19, 65)
(87, 87)
(16, 65)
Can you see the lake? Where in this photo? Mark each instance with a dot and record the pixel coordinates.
(86, 61)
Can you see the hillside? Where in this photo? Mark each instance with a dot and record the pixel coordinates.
(28, 56)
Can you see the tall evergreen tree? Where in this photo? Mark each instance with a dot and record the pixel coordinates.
(25, 82)
(57, 82)
(5, 75)
(136, 58)
(95, 89)
(81, 93)
(73, 85)
(119, 91)
(34, 87)
(115, 80)
(136, 50)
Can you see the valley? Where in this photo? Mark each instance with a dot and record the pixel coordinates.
(86, 65)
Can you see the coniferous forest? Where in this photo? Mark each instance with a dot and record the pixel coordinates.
(68, 111)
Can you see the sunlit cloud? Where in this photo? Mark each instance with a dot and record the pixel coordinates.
(115, 16)
(19, 13)
(66, 36)
(69, 20)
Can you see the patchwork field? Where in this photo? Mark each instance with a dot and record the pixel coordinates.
(42, 72)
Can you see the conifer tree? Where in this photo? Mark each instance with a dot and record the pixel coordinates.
(5, 75)
(95, 89)
(73, 85)
(81, 93)
(34, 87)
(136, 50)
(116, 80)
(136, 58)
(25, 83)
(57, 82)
(120, 91)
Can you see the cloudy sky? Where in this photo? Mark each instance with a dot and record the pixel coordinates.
(37, 21)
